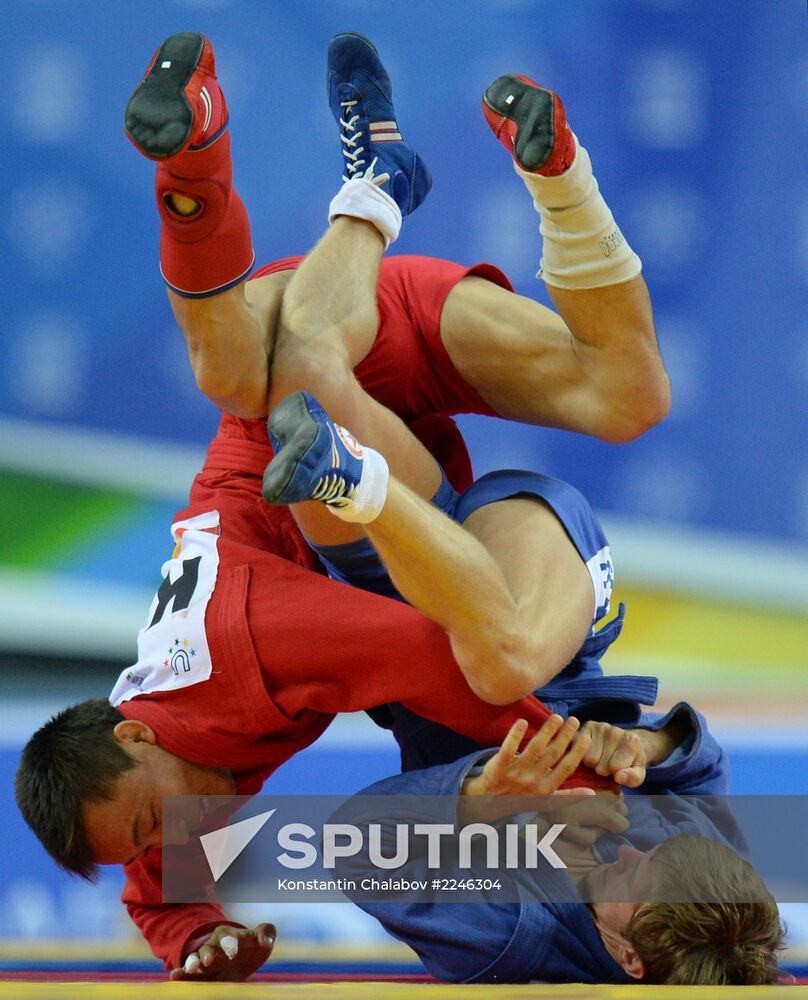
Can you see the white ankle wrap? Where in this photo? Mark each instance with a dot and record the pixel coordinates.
(582, 244)
(371, 492)
(362, 199)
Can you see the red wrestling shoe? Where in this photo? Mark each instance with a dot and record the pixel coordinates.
(530, 122)
(179, 105)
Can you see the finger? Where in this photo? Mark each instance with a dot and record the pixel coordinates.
(583, 835)
(192, 964)
(512, 742)
(628, 753)
(207, 955)
(631, 777)
(561, 743)
(539, 743)
(560, 802)
(539, 751)
(611, 743)
(586, 812)
(496, 768)
(229, 946)
(266, 934)
(608, 816)
(556, 777)
(596, 732)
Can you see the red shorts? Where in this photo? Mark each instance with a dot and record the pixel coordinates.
(411, 295)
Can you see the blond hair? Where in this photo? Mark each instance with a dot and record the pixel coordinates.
(710, 919)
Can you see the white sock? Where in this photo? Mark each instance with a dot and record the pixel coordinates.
(371, 492)
(362, 199)
(583, 246)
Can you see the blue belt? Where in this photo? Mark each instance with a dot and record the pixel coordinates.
(621, 687)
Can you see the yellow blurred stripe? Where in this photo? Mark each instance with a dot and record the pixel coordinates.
(723, 653)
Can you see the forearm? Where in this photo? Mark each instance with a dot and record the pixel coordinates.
(228, 348)
(449, 576)
(660, 744)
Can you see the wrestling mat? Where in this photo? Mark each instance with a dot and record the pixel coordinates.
(338, 988)
(61, 971)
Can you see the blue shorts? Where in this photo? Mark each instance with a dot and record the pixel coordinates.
(358, 564)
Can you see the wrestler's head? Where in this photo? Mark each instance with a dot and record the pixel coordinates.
(681, 914)
(90, 785)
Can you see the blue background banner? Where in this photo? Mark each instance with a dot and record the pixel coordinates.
(695, 116)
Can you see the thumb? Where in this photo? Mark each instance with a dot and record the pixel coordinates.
(266, 934)
(631, 777)
(582, 792)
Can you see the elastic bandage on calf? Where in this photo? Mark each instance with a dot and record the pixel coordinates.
(583, 246)
(362, 199)
(370, 494)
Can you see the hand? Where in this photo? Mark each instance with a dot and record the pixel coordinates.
(542, 767)
(586, 820)
(617, 752)
(230, 954)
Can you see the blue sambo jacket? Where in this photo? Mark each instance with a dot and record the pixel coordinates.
(554, 940)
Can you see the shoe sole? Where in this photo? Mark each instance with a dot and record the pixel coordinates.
(530, 108)
(291, 423)
(158, 117)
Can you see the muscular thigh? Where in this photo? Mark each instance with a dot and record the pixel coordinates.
(264, 296)
(516, 353)
(542, 567)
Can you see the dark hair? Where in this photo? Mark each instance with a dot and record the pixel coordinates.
(710, 921)
(73, 759)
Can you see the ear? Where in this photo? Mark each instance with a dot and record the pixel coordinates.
(631, 962)
(132, 731)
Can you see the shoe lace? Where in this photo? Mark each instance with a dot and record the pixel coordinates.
(350, 136)
(332, 489)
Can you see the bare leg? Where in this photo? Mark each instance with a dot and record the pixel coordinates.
(595, 368)
(229, 336)
(511, 591)
(228, 345)
(328, 323)
(509, 587)
(544, 573)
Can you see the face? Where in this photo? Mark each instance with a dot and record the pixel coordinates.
(122, 828)
(620, 887)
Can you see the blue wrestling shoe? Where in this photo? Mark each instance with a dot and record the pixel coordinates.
(315, 459)
(361, 98)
